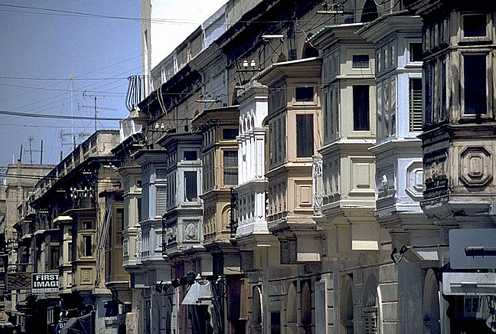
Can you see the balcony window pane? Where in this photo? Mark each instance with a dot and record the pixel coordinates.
(415, 104)
(361, 120)
(190, 182)
(360, 61)
(230, 167)
(475, 84)
(474, 25)
(304, 136)
(304, 94)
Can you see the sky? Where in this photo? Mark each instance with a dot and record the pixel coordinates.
(45, 43)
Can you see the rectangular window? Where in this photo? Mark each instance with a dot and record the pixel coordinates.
(230, 167)
(474, 25)
(415, 52)
(415, 102)
(304, 136)
(361, 116)
(86, 225)
(190, 155)
(475, 84)
(69, 252)
(87, 246)
(229, 134)
(54, 257)
(304, 94)
(360, 61)
(161, 205)
(190, 183)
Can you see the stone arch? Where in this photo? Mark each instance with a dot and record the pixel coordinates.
(306, 307)
(346, 310)
(371, 306)
(291, 310)
(257, 313)
(430, 304)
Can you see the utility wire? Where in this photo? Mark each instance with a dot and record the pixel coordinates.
(33, 115)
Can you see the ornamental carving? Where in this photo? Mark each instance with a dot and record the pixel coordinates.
(171, 234)
(476, 167)
(414, 177)
(191, 231)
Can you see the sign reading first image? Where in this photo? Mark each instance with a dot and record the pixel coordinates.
(44, 282)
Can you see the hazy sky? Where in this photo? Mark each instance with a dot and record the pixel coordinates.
(41, 43)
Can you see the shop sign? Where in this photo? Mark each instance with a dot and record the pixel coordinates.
(44, 283)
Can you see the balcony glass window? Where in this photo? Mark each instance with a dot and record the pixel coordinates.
(87, 246)
(191, 188)
(229, 134)
(230, 167)
(190, 155)
(415, 52)
(360, 61)
(474, 25)
(415, 102)
(361, 118)
(475, 84)
(304, 94)
(304, 136)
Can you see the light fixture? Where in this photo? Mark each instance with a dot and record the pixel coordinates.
(396, 255)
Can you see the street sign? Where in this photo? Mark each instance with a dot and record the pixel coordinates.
(473, 284)
(472, 248)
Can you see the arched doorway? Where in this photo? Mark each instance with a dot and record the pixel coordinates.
(257, 315)
(291, 310)
(430, 304)
(306, 308)
(346, 313)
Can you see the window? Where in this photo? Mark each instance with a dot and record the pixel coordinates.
(86, 225)
(54, 257)
(304, 136)
(360, 61)
(69, 252)
(161, 199)
(415, 52)
(190, 155)
(474, 25)
(361, 108)
(87, 246)
(475, 84)
(304, 94)
(415, 102)
(191, 189)
(229, 134)
(230, 167)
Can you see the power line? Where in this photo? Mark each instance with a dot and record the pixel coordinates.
(61, 79)
(33, 115)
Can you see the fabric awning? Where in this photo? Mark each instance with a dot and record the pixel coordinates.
(79, 325)
(198, 294)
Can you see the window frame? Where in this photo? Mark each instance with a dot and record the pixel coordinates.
(486, 37)
(367, 113)
(488, 86)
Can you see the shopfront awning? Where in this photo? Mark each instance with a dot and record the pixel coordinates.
(79, 325)
(199, 293)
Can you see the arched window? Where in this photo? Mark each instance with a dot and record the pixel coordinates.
(309, 51)
(369, 11)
